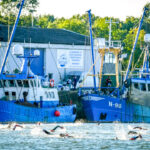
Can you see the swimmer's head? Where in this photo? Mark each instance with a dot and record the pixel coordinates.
(140, 136)
(62, 135)
(38, 123)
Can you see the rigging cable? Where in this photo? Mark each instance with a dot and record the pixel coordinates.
(89, 70)
(55, 62)
(137, 61)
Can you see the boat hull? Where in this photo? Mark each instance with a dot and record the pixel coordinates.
(108, 109)
(10, 111)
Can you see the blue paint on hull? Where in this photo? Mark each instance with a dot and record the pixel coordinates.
(110, 109)
(45, 104)
(10, 111)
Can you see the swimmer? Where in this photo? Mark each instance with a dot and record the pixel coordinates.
(136, 137)
(38, 123)
(47, 132)
(65, 135)
(53, 130)
(99, 123)
(61, 135)
(17, 125)
(140, 128)
(132, 132)
(10, 124)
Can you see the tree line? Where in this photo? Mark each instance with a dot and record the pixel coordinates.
(123, 30)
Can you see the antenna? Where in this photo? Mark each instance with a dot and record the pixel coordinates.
(110, 24)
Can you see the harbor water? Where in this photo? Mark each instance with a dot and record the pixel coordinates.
(84, 136)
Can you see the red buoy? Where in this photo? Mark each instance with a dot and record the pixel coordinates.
(57, 113)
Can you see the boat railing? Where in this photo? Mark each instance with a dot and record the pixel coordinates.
(114, 44)
(136, 73)
(45, 84)
(112, 91)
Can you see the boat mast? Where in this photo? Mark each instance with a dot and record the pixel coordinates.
(146, 61)
(133, 49)
(110, 24)
(11, 38)
(110, 32)
(91, 41)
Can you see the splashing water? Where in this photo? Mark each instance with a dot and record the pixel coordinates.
(83, 136)
(120, 131)
(36, 131)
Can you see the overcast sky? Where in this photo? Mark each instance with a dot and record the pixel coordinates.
(112, 8)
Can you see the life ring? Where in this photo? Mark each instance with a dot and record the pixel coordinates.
(51, 82)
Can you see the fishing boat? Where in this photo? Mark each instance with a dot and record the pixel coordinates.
(26, 97)
(128, 102)
(139, 86)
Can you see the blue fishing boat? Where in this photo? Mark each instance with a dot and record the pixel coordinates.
(125, 103)
(26, 97)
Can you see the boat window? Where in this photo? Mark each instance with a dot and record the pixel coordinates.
(35, 83)
(1, 85)
(148, 87)
(7, 95)
(4, 83)
(11, 83)
(38, 83)
(19, 82)
(143, 86)
(13, 93)
(26, 83)
(31, 82)
(136, 85)
(109, 58)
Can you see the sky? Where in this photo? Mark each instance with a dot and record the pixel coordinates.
(111, 8)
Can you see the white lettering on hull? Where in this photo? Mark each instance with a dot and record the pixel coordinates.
(89, 98)
(116, 105)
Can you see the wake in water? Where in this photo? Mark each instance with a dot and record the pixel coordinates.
(12, 126)
(120, 132)
(129, 133)
(57, 131)
(80, 131)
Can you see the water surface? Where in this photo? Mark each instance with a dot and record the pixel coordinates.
(86, 136)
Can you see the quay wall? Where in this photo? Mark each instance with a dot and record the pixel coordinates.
(72, 97)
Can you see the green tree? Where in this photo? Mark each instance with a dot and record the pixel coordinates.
(72, 24)
(44, 20)
(129, 42)
(100, 28)
(146, 23)
(130, 23)
(9, 9)
(10, 6)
